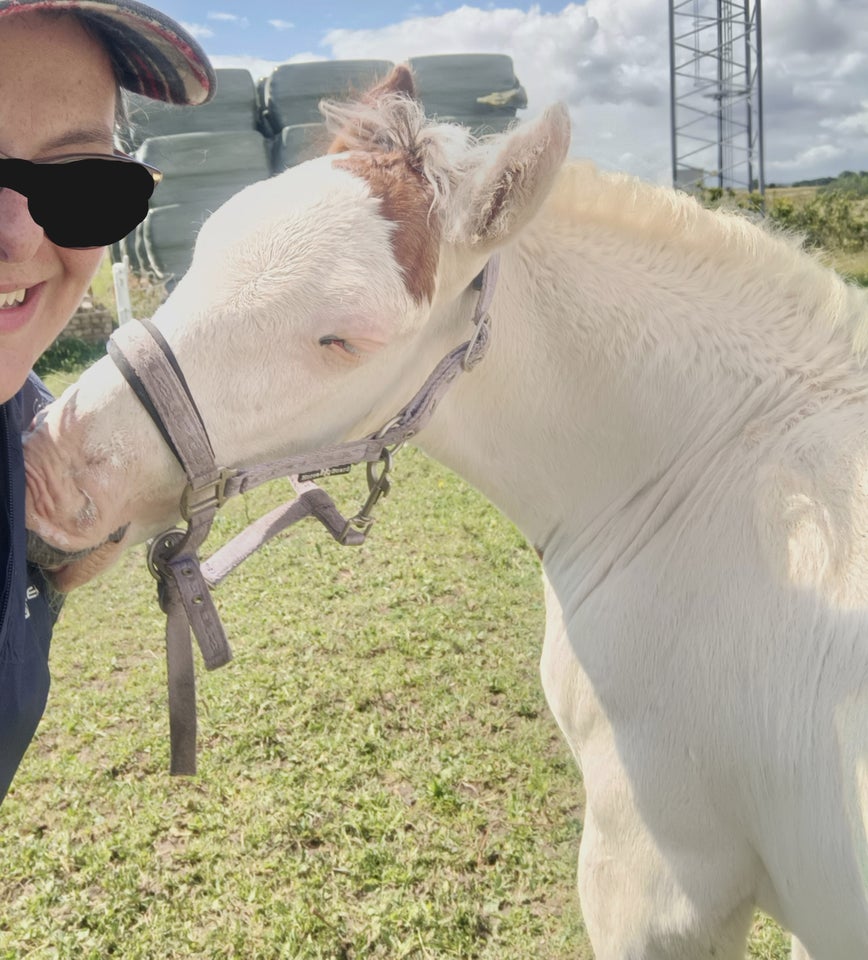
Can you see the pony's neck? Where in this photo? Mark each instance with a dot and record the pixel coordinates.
(633, 330)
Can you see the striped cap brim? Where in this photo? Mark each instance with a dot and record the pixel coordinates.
(153, 55)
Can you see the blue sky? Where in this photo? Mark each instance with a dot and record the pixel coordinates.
(281, 29)
(608, 60)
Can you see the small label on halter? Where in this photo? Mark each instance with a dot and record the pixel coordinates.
(327, 472)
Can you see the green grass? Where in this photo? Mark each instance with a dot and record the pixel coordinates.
(65, 357)
(379, 774)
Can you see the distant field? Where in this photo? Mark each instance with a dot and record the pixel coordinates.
(796, 194)
(852, 265)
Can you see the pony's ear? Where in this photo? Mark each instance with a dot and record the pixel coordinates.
(506, 192)
(400, 81)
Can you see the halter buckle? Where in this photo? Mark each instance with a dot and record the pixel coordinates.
(211, 495)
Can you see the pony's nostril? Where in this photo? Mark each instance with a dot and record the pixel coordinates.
(118, 535)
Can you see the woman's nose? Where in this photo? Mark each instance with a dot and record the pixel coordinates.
(20, 235)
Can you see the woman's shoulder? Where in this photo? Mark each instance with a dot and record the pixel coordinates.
(34, 396)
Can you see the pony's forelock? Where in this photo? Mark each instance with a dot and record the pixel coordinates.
(441, 153)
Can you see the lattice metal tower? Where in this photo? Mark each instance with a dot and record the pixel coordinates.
(716, 91)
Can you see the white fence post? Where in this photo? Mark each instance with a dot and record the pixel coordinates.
(120, 275)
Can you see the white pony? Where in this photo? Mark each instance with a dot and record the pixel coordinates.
(673, 410)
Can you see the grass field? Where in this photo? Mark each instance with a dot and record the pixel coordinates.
(379, 774)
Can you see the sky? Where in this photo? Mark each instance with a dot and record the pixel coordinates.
(608, 60)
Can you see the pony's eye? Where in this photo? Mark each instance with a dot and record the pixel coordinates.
(332, 340)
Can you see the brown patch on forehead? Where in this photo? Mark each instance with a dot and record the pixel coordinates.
(405, 199)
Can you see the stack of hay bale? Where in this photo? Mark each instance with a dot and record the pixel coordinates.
(251, 131)
(289, 103)
(478, 90)
(206, 154)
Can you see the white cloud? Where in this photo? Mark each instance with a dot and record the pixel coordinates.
(856, 123)
(220, 16)
(822, 154)
(198, 30)
(259, 66)
(591, 56)
(609, 61)
(282, 24)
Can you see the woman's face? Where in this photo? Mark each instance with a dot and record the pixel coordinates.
(57, 96)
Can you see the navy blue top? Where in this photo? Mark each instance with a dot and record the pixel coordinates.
(27, 608)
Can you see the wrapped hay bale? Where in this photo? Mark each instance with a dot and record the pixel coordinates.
(234, 107)
(291, 93)
(479, 90)
(201, 172)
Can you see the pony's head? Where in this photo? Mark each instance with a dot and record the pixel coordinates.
(316, 303)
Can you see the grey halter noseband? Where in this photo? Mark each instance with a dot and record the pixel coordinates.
(147, 362)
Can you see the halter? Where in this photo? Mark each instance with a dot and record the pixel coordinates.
(183, 583)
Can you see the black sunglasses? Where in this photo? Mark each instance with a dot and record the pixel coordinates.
(83, 199)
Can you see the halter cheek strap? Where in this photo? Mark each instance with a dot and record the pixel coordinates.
(152, 371)
(188, 404)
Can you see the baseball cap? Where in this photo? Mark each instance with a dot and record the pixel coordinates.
(153, 55)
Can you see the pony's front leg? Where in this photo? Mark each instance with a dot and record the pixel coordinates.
(633, 910)
(681, 889)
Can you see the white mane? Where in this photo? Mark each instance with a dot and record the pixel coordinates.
(443, 153)
(726, 240)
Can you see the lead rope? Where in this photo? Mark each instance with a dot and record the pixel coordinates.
(182, 581)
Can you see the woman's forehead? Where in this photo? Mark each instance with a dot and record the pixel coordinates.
(57, 87)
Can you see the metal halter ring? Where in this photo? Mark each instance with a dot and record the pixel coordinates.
(378, 486)
(161, 546)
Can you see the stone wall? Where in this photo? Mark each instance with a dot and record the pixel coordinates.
(92, 323)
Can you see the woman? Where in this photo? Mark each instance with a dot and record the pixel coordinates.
(64, 195)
